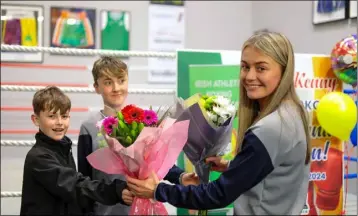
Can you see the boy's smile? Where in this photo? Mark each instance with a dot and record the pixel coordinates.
(114, 90)
(53, 125)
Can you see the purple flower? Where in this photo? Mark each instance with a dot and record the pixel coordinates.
(108, 124)
(150, 117)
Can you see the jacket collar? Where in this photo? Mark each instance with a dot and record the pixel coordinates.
(63, 146)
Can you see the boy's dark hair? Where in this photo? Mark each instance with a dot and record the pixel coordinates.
(51, 98)
(109, 66)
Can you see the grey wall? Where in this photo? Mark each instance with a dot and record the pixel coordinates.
(209, 25)
(204, 30)
(294, 19)
(220, 25)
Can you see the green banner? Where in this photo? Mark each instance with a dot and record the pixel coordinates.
(208, 72)
(168, 2)
(216, 80)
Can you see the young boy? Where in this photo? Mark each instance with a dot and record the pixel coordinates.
(110, 76)
(51, 184)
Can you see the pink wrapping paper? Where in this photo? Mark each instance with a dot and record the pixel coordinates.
(156, 149)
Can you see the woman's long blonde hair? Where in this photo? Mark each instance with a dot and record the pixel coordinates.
(279, 48)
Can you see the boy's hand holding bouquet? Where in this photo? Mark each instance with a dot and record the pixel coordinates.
(140, 142)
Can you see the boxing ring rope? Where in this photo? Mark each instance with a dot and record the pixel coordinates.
(8, 194)
(87, 52)
(24, 143)
(85, 90)
(81, 52)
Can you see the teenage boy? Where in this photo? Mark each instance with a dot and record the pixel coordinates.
(51, 184)
(110, 76)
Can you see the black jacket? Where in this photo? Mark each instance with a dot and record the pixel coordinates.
(52, 186)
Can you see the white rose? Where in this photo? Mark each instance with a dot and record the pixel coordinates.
(219, 110)
(231, 109)
(222, 120)
(222, 101)
(212, 116)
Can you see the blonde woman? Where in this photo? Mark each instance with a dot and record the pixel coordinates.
(270, 173)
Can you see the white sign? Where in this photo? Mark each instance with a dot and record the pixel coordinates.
(166, 34)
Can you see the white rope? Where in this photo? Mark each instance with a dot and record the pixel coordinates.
(88, 52)
(84, 90)
(8, 194)
(24, 143)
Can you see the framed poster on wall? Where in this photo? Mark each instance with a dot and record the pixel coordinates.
(115, 30)
(329, 11)
(22, 25)
(352, 8)
(73, 27)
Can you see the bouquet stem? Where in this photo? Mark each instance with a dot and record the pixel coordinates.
(202, 212)
(205, 212)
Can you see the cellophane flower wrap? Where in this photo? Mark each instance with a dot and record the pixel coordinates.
(139, 143)
(211, 121)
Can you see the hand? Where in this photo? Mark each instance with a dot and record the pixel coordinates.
(127, 197)
(218, 164)
(190, 179)
(143, 188)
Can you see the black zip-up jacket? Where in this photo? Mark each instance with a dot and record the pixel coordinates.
(52, 185)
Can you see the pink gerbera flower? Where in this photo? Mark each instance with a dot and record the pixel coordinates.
(150, 117)
(108, 124)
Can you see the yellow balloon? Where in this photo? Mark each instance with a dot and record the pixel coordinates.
(337, 114)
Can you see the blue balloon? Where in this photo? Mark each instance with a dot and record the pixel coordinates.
(354, 136)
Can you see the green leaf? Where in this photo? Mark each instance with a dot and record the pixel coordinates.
(126, 129)
(134, 125)
(121, 133)
(140, 127)
(117, 131)
(133, 134)
(129, 140)
(102, 144)
(210, 100)
(120, 116)
(205, 97)
(163, 116)
(114, 134)
(121, 124)
(207, 106)
(159, 108)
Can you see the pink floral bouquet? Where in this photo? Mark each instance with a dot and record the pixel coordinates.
(138, 142)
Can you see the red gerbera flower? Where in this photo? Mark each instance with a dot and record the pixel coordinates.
(132, 113)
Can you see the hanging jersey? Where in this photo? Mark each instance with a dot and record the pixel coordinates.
(28, 31)
(115, 32)
(12, 32)
(73, 30)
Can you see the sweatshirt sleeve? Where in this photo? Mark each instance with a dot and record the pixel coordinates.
(84, 148)
(174, 175)
(249, 167)
(72, 186)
